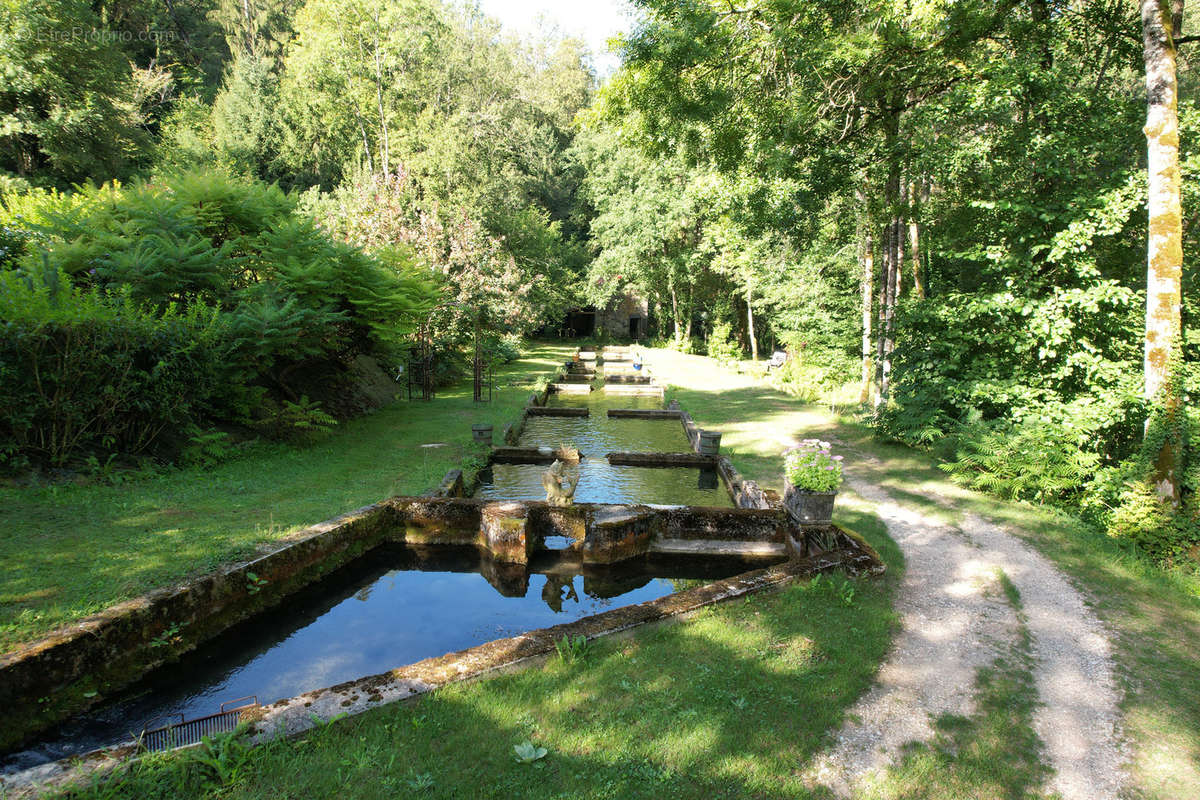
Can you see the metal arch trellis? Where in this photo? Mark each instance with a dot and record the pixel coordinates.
(420, 367)
(420, 372)
(482, 367)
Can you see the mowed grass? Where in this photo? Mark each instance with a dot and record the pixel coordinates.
(67, 551)
(1154, 616)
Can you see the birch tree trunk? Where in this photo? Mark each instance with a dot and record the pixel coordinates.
(385, 148)
(917, 197)
(892, 265)
(675, 321)
(1164, 252)
(867, 263)
(750, 321)
(892, 246)
(688, 309)
(885, 272)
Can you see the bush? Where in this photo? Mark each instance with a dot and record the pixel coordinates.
(174, 305)
(1030, 461)
(721, 345)
(506, 348)
(1148, 521)
(85, 374)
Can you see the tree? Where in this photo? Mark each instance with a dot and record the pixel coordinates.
(1161, 21)
(67, 100)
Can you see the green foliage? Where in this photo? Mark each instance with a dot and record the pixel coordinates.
(526, 752)
(138, 312)
(810, 374)
(205, 448)
(572, 650)
(306, 416)
(506, 348)
(721, 344)
(1145, 519)
(1032, 460)
(82, 372)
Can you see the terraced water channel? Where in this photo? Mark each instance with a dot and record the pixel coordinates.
(400, 604)
(595, 436)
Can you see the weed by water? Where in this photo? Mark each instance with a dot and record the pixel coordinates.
(572, 650)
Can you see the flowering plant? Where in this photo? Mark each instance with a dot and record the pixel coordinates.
(812, 467)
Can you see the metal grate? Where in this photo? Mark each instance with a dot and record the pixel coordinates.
(191, 731)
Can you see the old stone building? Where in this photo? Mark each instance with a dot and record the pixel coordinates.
(625, 317)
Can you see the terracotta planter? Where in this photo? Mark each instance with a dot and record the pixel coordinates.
(809, 508)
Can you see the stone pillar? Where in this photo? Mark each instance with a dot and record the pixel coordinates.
(504, 531)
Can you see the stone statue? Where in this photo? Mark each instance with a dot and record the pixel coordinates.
(560, 485)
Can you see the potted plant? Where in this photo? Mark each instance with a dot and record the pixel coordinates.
(813, 476)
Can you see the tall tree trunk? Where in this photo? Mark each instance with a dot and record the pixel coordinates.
(867, 264)
(884, 274)
(1164, 257)
(893, 233)
(750, 321)
(918, 194)
(675, 320)
(892, 264)
(385, 147)
(688, 308)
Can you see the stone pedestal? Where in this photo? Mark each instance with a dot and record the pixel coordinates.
(504, 531)
(617, 533)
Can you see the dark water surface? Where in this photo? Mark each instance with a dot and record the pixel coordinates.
(392, 607)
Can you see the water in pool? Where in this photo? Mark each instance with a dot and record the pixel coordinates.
(392, 607)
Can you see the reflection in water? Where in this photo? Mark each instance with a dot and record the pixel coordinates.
(556, 590)
(392, 607)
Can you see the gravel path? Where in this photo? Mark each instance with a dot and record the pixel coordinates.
(955, 619)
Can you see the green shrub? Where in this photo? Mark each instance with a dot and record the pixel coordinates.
(137, 314)
(808, 382)
(721, 344)
(1149, 522)
(82, 373)
(1034, 460)
(505, 348)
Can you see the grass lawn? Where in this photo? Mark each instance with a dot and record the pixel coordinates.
(71, 550)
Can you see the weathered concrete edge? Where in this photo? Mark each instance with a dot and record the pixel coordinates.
(80, 663)
(299, 714)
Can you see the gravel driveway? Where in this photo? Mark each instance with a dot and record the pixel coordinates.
(956, 619)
